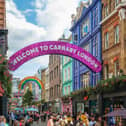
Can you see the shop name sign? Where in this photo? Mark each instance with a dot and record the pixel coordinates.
(53, 47)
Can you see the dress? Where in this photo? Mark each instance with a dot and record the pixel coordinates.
(50, 122)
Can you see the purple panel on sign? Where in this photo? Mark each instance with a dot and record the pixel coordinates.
(53, 47)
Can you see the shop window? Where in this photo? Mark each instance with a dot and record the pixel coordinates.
(106, 71)
(85, 27)
(106, 40)
(116, 67)
(85, 79)
(117, 34)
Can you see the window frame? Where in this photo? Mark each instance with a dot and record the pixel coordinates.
(106, 39)
(116, 34)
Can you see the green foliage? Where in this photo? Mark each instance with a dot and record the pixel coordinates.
(28, 98)
(5, 76)
(103, 86)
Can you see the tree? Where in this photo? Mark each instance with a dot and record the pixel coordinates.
(5, 76)
(28, 98)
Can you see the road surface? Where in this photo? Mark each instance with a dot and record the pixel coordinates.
(39, 124)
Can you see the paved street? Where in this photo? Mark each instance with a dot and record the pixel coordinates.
(40, 124)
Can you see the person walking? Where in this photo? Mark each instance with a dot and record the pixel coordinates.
(12, 118)
(99, 121)
(50, 121)
(3, 121)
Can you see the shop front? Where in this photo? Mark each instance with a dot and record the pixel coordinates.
(67, 106)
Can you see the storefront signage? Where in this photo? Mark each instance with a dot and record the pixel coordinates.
(53, 47)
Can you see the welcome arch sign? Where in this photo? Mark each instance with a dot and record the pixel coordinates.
(53, 47)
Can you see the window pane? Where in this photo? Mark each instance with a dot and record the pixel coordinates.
(116, 34)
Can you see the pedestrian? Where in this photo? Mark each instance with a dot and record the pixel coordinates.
(99, 121)
(12, 118)
(3, 121)
(50, 121)
(92, 122)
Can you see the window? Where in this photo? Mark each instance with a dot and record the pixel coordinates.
(106, 40)
(75, 63)
(65, 75)
(65, 60)
(75, 84)
(116, 34)
(85, 79)
(57, 70)
(75, 37)
(68, 59)
(106, 71)
(68, 73)
(95, 79)
(116, 67)
(68, 89)
(116, 2)
(95, 17)
(55, 90)
(95, 46)
(85, 27)
(87, 48)
(106, 10)
(65, 90)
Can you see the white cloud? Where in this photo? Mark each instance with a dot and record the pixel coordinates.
(22, 33)
(28, 11)
(40, 4)
(56, 16)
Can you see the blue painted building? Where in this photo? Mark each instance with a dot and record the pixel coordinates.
(86, 33)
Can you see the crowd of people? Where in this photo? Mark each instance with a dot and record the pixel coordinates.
(80, 120)
(53, 119)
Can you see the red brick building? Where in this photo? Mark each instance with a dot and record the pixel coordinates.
(54, 82)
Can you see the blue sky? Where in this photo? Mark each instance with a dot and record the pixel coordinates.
(30, 21)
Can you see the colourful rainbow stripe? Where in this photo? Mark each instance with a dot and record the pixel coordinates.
(31, 78)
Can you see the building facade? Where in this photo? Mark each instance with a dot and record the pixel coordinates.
(15, 83)
(43, 79)
(3, 50)
(3, 31)
(86, 33)
(54, 83)
(67, 86)
(47, 85)
(114, 48)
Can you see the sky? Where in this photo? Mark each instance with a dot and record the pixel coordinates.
(31, 21)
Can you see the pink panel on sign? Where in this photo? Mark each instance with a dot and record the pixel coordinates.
(53, 47)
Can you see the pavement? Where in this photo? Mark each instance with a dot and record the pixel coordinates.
(39, 124)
